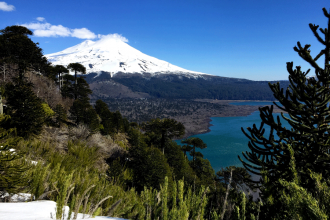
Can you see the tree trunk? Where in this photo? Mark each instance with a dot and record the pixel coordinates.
(4, 73)
(59, 80)
(194, 156)
(226, 197)
(1, 105)
(162, 142)
(75, 85)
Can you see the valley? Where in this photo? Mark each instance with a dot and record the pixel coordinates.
(194, 114)
(142, 87)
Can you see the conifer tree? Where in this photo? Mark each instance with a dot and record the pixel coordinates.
(12, 168)
(239, 174)
(81, 110)
(76, 67)
(185, 149)
(117, 121)
(1, 102)
(17, 49)
(165, 129)
(82, 90)
(298, 202)
(149, 167)
(194, 142)
(84, 113)
(60, 70)
(67, 88)
(203, 170)
(12, 174)
(25, 108)
(60, 115)
(179, 163)
(106, 116)
(306, 102)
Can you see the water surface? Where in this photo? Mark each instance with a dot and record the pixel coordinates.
(226, 141)
(261, 103)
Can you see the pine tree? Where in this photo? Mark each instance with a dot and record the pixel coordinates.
(106, 116)
(67, 88)
(17, 49)
(117, 121)
(298, 202)
(24, 107)
(195, 142)
(60, 70)
(1, 101)
(306, 102)
(239, 174)
(12, 167)
(60, 115)
(149, 167)
(76, 67)
(203, 170)
(179, 163)
(82, 90)
(165, 129)
(185, 149)
(83, 112)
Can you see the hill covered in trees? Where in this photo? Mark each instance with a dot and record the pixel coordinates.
(174, 86)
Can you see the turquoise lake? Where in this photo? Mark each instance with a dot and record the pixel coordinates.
(226, 141)
(261, 103)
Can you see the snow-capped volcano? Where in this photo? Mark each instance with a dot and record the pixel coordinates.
(113, 56)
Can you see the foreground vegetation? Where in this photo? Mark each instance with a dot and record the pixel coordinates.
(55, 145)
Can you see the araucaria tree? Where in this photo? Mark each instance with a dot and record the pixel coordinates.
(60, 69)
(306, 103)
(194, 142)
(24, 107)
(76, 67)
(12, 165)
(164, 130)
(19, 52)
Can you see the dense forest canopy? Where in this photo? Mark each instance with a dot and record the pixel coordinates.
(173, 86)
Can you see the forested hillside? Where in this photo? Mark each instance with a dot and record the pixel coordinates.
(56, 146)
(174, 86)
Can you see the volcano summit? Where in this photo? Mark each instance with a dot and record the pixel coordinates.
(113, 55)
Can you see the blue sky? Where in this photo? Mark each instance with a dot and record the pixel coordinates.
(251, 39)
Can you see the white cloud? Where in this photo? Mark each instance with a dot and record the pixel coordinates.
(5, 7)
(40, 18)
(83, 33)
(49, 30)
(52, 31)
(113, 36)
(37, 26)
(45, 29)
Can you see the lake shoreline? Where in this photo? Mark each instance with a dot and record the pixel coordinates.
(201, 124)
